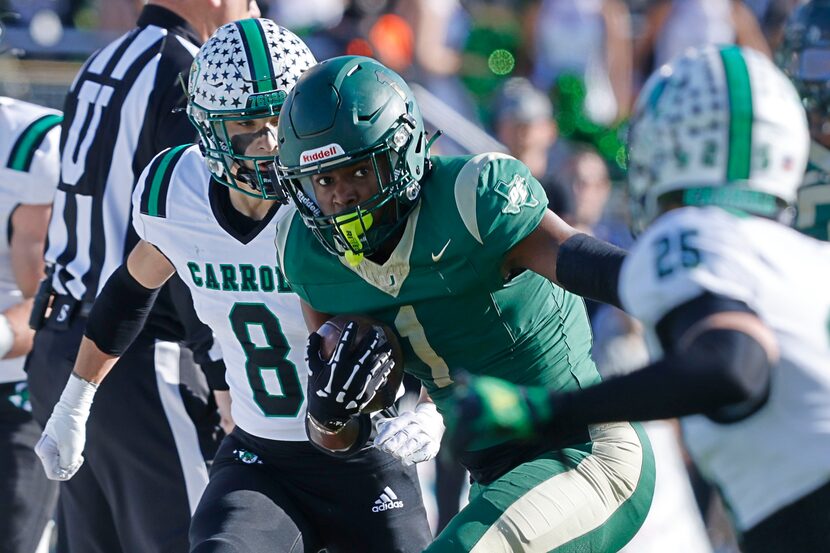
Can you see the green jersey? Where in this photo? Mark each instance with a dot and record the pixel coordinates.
(442, 288)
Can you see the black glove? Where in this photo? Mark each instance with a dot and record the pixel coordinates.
(341, 387)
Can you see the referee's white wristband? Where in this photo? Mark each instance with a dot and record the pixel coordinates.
(6, 336)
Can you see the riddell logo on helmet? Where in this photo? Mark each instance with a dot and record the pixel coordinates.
(320, 154)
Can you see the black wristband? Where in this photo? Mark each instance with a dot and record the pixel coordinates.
(119, 312)
(590, 267)
(215, 374)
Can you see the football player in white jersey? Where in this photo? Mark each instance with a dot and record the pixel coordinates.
(209, 212)
(29, 163)
(805, 58)
(737, 303)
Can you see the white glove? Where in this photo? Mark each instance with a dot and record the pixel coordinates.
(414, 436)
(62, 442)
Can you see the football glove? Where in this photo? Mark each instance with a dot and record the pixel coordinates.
(62, 442)
(341, 387)
(491, 410)
(414, 436)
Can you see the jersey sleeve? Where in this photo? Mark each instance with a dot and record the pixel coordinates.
(500, 202)
(140, 191)
(686, 253)
(44, 172)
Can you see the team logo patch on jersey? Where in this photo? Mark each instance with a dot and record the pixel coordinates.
(245, 456)
(387, 500)
(321, 154)
(517, 194)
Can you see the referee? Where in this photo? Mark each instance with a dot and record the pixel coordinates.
(153, 425)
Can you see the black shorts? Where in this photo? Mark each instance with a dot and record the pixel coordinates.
(266, 496)
(150, 431)
(27, 497)
(802, 526)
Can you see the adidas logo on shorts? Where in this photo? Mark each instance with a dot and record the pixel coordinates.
(387, 500)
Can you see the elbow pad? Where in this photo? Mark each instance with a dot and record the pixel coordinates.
(119, 312)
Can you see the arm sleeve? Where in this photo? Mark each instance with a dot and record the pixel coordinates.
(119, 312)
(724, 374)
(44, 173)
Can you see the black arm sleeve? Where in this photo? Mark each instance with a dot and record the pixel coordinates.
(724, 374)
(119, 312)
(198, 336)
(590, 268)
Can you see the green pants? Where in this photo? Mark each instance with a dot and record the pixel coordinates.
(591, 498)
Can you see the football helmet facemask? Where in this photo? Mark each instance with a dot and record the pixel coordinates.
(343, 111)
(243, 72)
(716, 126)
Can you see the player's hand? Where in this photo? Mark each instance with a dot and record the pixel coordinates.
(62, 442)
(341, 387)
(488, 410)
(414, 436)
(223, 405)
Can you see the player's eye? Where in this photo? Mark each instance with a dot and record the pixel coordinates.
(323, 181)
(361, 172)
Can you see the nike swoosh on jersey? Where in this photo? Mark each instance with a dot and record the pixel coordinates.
(437, 257)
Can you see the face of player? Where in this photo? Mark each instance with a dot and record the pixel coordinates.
(254, 138)
(344, 188)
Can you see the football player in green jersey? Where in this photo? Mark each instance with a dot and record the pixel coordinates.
(735, 303)
(462, 258)
(805, 58)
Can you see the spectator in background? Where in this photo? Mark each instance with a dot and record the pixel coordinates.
(673, 26)
(523, 121)
(587, 180)
(589, 40)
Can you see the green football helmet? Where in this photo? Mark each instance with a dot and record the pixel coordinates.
(243, 72)
(342, 111)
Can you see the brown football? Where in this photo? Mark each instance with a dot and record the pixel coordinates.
(330, 332)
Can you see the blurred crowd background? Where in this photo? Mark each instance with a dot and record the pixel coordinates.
(549, 81)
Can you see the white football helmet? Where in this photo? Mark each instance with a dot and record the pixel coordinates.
(244, 71)
(716, 126)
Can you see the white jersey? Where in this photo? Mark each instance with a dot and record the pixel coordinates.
(781, 452)
(237, 290)
(29, 171)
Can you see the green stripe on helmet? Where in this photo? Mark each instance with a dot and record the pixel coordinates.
(257, 51)
(740, 111)
(23, 151)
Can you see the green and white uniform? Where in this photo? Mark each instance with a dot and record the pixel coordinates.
(814, 195)
(778, 454)
(29, 167)
(237, 291)
(443, 291)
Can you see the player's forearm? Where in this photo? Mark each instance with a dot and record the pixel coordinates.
(17, 336)
(724, 375)
(92, 364)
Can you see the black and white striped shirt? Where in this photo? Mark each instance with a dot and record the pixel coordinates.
(124, 107)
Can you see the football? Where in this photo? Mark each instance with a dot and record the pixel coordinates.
(330, 332)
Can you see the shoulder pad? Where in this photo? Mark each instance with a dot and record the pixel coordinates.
(157, 182)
